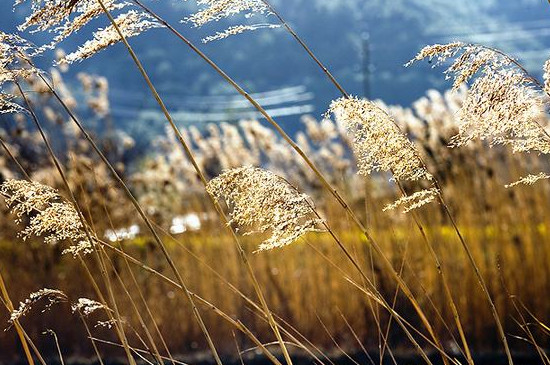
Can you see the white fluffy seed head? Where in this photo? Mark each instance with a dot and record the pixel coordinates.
(63, 18)
(502, 105)
(378, 143)
(49, 216)
(529, 180)
(86, 306)
(215, 10)
(261, 201)
(131, 23)
(52, 295)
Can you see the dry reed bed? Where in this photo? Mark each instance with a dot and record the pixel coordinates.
(364, 254)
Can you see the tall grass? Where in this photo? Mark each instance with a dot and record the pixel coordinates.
(363, 250)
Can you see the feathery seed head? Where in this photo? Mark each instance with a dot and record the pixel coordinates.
(63, 17)
(469, 60)
(264, 202)
(414, 201)
(237, 29)
(377, 142)
(131, 23)
(502, 105)
(52, 295)
(439, 51)
(12, 50)
(529, 180)
(87, 306)
(547, 76)
(215, 10)
(49, 216)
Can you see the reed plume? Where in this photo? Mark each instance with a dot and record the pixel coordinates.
(131, 23)
(215, 10)
(12, 48)
(49, 216)
(264, 202)
(86, 306)
(377, 142)
(414, 201)
(502, 105)
(546, 76)
(379, 145)
(53, 296)
(237, 29)
(529, 180)
(63, 18)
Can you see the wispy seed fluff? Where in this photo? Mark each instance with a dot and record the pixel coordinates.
(86, 307)
(379, 145)
(529, 180)
(261, 201)
(52, 295)
(502, 105)
(237, 29)
(12, 50)
(63, 17)
(414, 201)
(48, 215)
(215, 10)
(131, 23)
(377, 142)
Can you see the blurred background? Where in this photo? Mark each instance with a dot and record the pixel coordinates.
(364, 43)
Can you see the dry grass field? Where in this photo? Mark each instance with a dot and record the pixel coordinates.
(379, 230)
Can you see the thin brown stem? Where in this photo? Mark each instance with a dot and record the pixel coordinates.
(133, 200)
(18, 328)
(324, 181)
(199, 172)
(89, 234)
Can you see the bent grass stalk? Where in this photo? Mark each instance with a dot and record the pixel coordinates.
(138, 208)
(217, 206)
(55, 160)
(308, 161)
(9, 305)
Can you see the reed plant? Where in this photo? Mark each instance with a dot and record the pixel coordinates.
(361, 219)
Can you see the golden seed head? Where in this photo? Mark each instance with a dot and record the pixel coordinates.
(377, 142)
(49, 215)
(262, 201)
(52, 295)
(131, 23)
